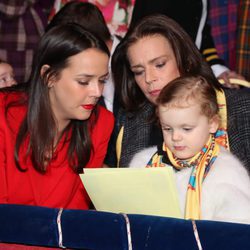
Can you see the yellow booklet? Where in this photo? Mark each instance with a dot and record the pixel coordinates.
(149, 191)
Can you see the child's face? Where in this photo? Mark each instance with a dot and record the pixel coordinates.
(185, 130)
(6, 75)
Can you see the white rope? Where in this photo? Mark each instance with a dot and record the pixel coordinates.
(128, 231)
(196, 235)
(58, 220)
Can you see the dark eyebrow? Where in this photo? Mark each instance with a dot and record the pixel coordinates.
(150, 62)
(105, 75)
(84, 75)
(89, 76)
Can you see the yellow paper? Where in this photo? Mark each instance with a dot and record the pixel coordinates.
(149, 191)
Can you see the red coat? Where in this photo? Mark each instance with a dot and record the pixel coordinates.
(59, 187)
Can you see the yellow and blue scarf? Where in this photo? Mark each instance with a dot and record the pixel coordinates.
(200, 163)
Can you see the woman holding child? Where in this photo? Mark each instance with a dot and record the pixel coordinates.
(156, 51)
(212, 184)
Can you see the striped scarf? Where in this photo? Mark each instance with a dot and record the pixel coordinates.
(200, 164)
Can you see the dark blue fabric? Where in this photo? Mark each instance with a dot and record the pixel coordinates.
(153, 232)
(94, 230)
(82, 229)
(107, 231)
(224, 235)
(28, 225)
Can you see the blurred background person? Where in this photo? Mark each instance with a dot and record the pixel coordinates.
(7, 77)
(117, 13)
(230, 26)
(22, 23)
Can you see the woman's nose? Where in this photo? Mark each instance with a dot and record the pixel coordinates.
(150, 76)
(97, 90)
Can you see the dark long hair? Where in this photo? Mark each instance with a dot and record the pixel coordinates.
(188, 58)
(85, 14)
(39, 126)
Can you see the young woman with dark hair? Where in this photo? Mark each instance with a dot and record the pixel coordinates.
(53, 128)
(91, 18)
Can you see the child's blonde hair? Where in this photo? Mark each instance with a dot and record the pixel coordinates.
(182, 91)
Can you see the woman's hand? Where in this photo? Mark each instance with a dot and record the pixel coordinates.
(229, 79)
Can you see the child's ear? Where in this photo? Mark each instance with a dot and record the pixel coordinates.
(214, 124)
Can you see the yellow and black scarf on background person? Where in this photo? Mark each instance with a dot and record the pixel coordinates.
(221, 135)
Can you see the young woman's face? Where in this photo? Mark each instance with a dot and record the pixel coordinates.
(153, 63)
(185, 130)
(6, 75)
(76, 92)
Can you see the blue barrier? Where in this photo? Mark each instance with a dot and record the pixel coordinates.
(40, 226)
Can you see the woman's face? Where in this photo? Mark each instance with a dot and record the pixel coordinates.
(153, 63)
(76, 92)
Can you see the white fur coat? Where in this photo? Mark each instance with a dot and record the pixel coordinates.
(225, 190)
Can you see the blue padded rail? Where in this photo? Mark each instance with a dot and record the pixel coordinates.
(95, 230)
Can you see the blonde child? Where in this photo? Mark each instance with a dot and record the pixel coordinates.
(212, 184)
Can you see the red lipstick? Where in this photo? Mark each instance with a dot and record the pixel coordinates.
(88, 106)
